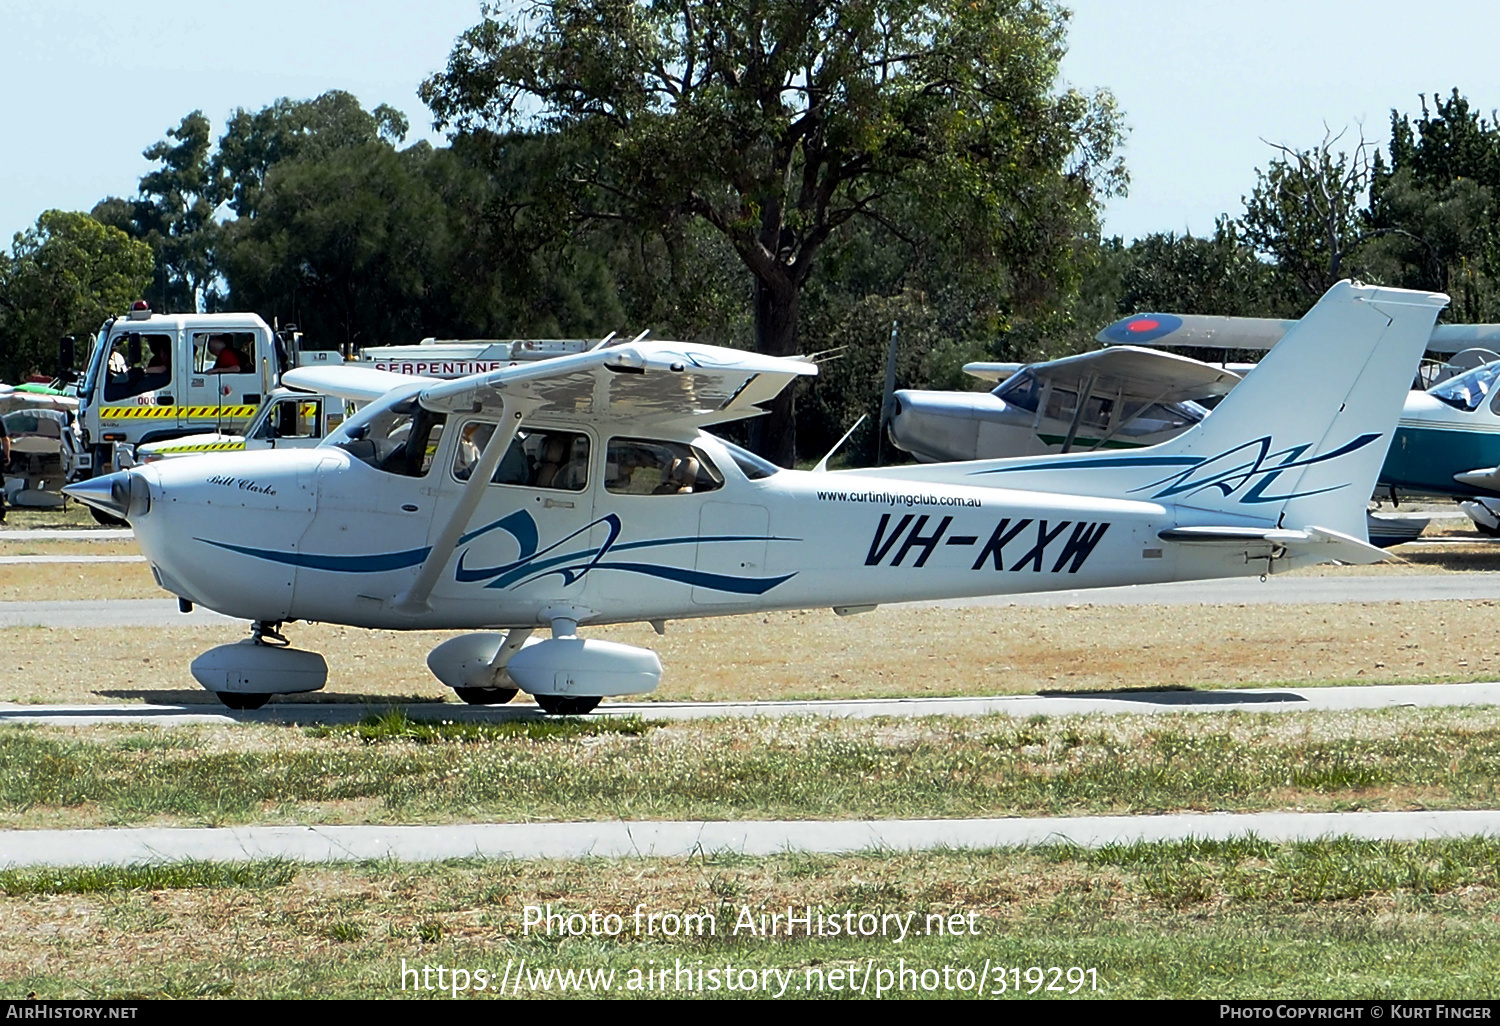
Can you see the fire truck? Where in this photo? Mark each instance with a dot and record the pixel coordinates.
(157, 376)
(154, 377)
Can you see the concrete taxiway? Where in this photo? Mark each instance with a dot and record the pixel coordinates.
(1248, 700)
(677, 839)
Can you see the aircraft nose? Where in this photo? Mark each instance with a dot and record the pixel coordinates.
(124, 494)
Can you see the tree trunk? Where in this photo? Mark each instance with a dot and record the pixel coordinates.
(774, 436)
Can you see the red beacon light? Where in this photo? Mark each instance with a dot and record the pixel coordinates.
(140, 310)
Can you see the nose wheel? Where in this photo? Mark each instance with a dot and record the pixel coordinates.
(486, 696)
(567, 705)
(239, 700)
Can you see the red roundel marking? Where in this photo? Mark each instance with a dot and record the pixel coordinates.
(1143, 325)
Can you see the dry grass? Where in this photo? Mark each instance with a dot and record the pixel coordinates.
(895, 651)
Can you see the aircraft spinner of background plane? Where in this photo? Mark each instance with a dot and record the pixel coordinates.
(585, 490)
(1446, 444)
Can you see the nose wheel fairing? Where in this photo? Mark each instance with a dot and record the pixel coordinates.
(248, 670)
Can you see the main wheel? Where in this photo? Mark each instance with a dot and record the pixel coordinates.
(566, 705)
(242, 699)
(486, 696)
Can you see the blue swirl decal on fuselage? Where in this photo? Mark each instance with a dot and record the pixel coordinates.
(532, 563)
(1251, 464)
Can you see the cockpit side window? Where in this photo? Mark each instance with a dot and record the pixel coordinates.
(401, 440)
(641, 466)
(535, 458)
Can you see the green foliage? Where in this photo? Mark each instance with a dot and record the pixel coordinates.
(1434, 207)
(174, 215)
(309, 130)
(63, 277)
(1219, 275)
(1307, 212)
(781, 124)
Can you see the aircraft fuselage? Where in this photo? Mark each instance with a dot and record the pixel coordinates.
(319, 535)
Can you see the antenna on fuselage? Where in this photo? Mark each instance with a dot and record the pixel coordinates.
(822, 466)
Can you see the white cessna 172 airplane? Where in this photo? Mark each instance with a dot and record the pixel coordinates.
(583, 490)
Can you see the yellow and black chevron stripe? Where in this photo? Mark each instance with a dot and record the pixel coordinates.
(167, 449)
(118, 413)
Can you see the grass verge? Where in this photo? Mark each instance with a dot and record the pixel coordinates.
(1333, 919)
(397, 771)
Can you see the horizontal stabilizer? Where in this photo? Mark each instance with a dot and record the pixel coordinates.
(1331, 545)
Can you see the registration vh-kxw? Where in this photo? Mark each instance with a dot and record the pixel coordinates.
(585, 490)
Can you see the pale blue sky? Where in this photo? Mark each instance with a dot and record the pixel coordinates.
(89, 84)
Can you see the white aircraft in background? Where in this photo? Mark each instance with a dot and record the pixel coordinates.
(1122, 397)
(584, 490)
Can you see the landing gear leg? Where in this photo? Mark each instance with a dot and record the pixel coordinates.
(566, 705)
(268, 632)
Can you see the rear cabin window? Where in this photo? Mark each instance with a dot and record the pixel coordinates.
(641, 466)
(534, 459)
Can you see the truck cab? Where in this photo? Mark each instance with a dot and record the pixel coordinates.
(288, 419)
(152, 377)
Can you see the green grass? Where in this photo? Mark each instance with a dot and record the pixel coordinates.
(1208, 920)
(149, 877)
(396, 770)
(395, 725)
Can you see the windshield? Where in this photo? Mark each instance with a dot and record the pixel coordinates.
(752, 466)
(398, 437)
(1468, 390)
(1022, 391)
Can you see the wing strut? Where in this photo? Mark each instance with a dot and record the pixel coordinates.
(1084, 394)
(414, 599)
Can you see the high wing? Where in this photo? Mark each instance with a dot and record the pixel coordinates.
(1163, 329)
(643, 383)
(1139, 373)
(357, 384)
